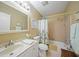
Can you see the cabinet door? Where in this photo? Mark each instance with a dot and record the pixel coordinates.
(35, 50)
(30, 52)
(26, 53)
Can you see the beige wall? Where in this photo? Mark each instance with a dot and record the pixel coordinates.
(56, 28)
(21, 35)
(35, 15)
(73, 6)
(12, 36)
(59, 30)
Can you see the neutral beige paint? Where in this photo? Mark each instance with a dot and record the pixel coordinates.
(21, 35)
(56, 28)
(69, 19)
(12, 36)
(73, 6)
(35, 15)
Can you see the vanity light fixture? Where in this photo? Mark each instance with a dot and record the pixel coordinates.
(23, 4)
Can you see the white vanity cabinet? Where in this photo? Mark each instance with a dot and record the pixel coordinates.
(30, 52)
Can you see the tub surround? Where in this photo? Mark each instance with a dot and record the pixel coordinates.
(54, 51)
(59, 44)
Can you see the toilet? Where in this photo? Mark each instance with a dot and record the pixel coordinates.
(42, 47)
(42, 50)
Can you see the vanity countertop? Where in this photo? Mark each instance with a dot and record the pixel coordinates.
(19, 48)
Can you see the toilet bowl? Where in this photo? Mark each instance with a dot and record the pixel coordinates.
(42, 50)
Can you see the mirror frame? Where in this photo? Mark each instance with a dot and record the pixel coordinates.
(17, 7)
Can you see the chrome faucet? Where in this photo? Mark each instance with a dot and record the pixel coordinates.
(9, 43)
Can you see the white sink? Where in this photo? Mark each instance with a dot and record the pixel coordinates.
(28, 41)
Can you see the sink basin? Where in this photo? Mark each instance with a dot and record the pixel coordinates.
(28, 42)
(9, 50)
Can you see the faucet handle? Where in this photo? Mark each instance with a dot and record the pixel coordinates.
(6, 46)
(10, 42)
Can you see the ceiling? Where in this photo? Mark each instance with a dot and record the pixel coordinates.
(51, 7)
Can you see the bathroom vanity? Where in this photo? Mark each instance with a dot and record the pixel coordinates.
(31, 51)
(26, 48)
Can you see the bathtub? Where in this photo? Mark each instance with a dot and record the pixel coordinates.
(59, 44)
(55, 48)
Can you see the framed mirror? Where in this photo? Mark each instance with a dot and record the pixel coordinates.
(12, 19)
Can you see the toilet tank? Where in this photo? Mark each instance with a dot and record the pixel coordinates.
(37, 38)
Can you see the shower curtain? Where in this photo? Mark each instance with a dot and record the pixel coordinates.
(74, 37)
(43, 29)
